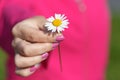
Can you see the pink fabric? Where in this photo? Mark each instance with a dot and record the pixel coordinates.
(85, 48)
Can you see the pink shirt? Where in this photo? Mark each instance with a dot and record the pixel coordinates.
(85, 48)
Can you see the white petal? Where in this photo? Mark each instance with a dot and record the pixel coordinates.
(59, 29)
(57, 16)
(63, 17)
(48, 24)
(51, 19)
(64, 26)
(54, 29)
(51, 27)
(65, 20)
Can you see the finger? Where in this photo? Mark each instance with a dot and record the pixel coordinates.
(33, 49)
(23, 62)
(27, 71)
(31, 31)
(34, 35)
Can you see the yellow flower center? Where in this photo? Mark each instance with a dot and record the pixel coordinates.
(57, 22)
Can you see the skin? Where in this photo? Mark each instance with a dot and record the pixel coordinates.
(31, 41)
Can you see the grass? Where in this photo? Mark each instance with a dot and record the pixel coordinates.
(2, 64)
(113, 71)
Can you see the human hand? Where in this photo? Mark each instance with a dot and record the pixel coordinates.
(32, 43)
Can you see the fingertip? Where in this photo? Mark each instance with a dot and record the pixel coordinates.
(60, 38)
(54, 45)
(44, 56)
(34, 68)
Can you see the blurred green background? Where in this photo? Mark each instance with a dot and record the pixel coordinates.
(2, 64)
(113, 70)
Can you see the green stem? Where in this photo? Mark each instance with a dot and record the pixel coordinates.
(60, 59)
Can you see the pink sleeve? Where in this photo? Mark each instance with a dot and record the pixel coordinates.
(11, 12)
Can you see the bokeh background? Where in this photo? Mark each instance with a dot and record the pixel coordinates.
(113, 70)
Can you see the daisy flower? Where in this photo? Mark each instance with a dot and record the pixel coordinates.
(57, 23)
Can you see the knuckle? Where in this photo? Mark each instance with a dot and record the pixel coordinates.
(14, 31)
(47, 47)
(26, 50)
(36, 60)
(21, 63)
(51, 38)
(23, 48)
(31, 37)
(18, 62)
(13, 43)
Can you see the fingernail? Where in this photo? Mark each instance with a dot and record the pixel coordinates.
(34, 68)
(44, 56)
(60, 38)
(55, 45)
